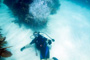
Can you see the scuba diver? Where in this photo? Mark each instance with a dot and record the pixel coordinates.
(41, 43)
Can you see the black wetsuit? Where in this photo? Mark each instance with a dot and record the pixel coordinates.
(41, 45)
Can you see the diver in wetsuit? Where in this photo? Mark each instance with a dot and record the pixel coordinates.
(41, 45)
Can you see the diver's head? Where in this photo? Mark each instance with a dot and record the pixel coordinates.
(36, 34)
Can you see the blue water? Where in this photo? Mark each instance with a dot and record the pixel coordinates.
(70, 27)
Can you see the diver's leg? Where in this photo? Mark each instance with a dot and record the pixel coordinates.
(54, 58)
(44, 54)
(41, 55)
(47, 53)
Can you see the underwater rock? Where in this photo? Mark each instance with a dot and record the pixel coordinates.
(33, 13)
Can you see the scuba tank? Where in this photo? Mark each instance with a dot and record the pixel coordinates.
(46, 35)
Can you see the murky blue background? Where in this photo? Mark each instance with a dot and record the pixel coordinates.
(70, 27)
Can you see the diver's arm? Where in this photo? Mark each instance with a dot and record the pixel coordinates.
(33, 41)
(28, 45)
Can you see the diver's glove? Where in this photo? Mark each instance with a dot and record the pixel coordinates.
(53, 40)
(22, 48)
(49, 42)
